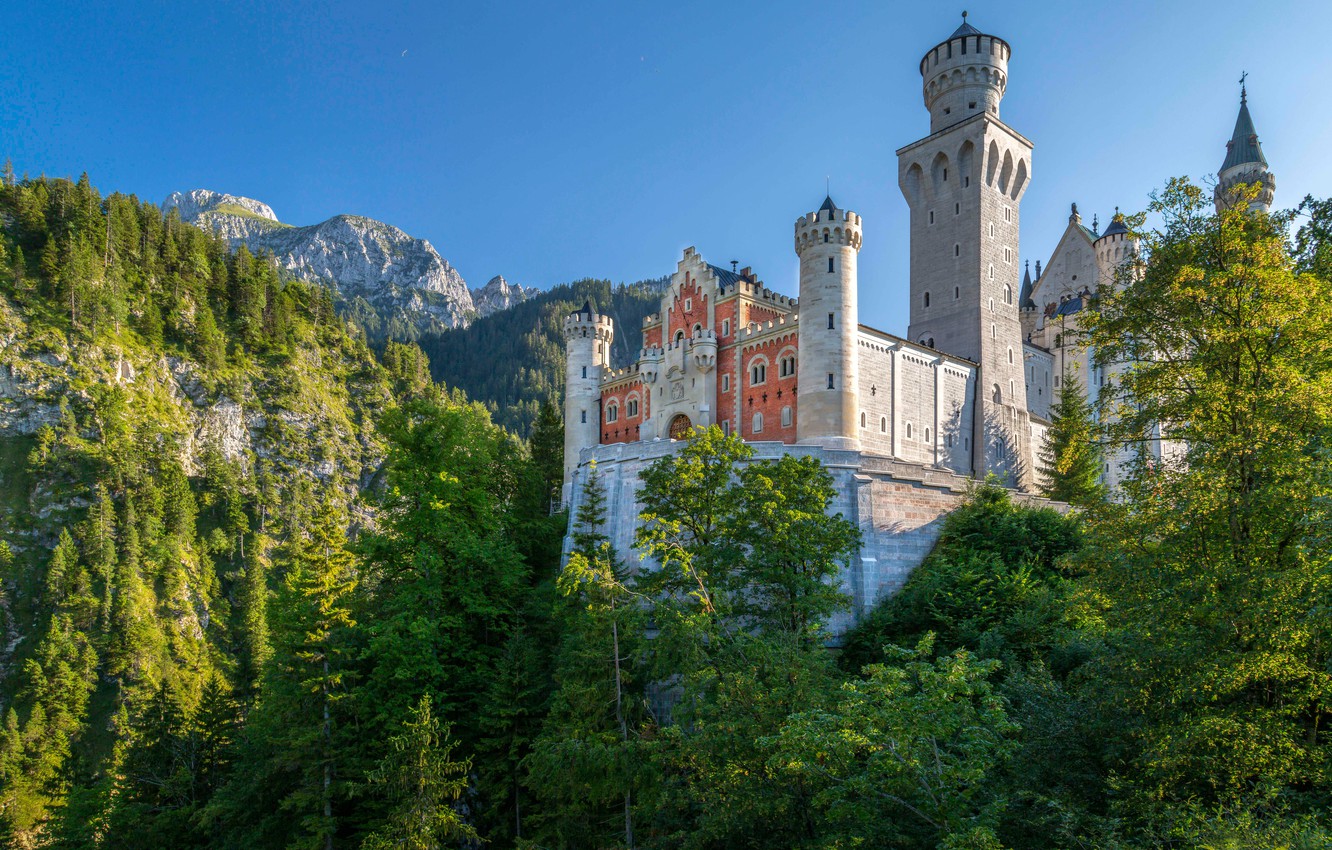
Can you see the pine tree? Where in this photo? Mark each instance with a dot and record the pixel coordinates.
(421, 783)
(547, 447)
(1071, 459)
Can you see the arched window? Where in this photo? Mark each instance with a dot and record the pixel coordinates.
(679, 336)
(612, 412)
(927, 299)
(998, 395)
(631, 407)
(698, 329)
(1010, 356)
(758, 424)
(931, 342)
(758, 374)
(1008, 294)
(883, 424)
(862, 419)
(927, 435)
(908, 431)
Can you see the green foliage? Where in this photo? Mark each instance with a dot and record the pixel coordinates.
(1212, 579)
(907, 755)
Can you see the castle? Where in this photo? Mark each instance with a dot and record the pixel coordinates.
(903, 423)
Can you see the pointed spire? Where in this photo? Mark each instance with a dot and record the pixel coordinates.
(1243, 146)
(1096, 224)
(1025, 301)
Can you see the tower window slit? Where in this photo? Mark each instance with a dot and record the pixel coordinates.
(830, 264)
(830, 321)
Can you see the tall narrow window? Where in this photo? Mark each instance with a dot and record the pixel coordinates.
(584, 371)
(830, 264)
(831, 385)
(862, 419)
(931, 216)
(927, 435)
(786, 416)
(957, 209)
(957, 249)
(830, 321)
(883, 424)
(927, 299)
(758, 423)
(825, 236)
(726, 383)
(584, 419)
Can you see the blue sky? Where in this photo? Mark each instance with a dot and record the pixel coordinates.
(548, 142)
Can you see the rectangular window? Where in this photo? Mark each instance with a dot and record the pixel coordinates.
(584, 412)
(830, 265)
(830, 321)
(726, 383)
(831, 384)
(931, 216)
(726, 327)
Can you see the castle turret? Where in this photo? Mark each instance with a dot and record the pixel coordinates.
(1115, 247)
(964, 183)
(587, 345)
(828, 377)
(1244, 163)
(964, 76)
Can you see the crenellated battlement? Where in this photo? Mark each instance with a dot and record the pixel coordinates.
(828, 227)
(587, 324)
(964, 75)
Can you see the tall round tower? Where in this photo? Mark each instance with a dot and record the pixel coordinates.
(964, 76)
(827, 242)
(587, 345)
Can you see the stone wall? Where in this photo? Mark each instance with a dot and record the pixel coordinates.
(899, 508)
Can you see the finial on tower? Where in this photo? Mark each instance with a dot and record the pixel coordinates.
(964, 16)
(1096, 223)
(1244, 93)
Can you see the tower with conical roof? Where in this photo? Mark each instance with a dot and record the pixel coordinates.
(587, 345)
(964, 183)
(828, 374)
(1244, 163)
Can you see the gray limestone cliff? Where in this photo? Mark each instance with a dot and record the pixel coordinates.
(498, 294)
(403, 279)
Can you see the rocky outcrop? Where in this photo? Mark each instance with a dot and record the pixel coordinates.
(404, 279)
(498, 294)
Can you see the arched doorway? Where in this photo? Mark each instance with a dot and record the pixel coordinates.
(679, 428)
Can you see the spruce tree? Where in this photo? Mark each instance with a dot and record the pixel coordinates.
(1070, 461)
(547, 445)
(421, 783)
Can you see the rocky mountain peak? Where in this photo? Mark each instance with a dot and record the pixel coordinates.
(498, 294)
(196, 202)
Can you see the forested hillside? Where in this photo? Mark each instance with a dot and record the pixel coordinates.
(513, 361)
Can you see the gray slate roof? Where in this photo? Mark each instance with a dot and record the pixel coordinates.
(725, 277)
(1243, 146)
(965, 29)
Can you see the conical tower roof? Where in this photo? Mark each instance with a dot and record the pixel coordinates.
(828, 205)
(1025, 301)
(1243, 146)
